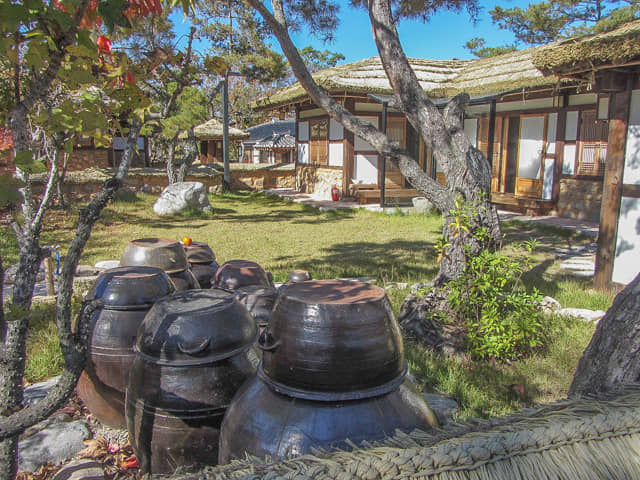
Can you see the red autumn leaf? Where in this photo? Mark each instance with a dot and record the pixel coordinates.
(104, 44)
(130, 462)
(130, 78)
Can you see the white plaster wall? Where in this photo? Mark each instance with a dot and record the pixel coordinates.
(530, 151)
(360, 144)
(626, 262)
(571, 132)
(552, 125)
(569, 160)
(303, 131)
(525, 105)
(471, 130)
(303, 153)
(632, 155)
(583, 99)
(366, 168)
(336, 130)
(547, 181)
(336, 154)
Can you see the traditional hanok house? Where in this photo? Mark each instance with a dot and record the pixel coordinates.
(209, 135)
(546, 134)
(270, 142)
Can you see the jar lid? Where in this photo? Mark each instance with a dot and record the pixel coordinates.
(131, 287)
(238, 273)
(199, 252)
(195, 327)
(167, 255)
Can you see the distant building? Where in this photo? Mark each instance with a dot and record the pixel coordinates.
(209, 137)
(271, 142)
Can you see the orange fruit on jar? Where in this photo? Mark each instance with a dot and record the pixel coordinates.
(187, 241)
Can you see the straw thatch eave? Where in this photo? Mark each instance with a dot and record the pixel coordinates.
(614, 48)
(213, 130)
(532, 68)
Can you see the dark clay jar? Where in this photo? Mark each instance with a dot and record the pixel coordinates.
(203, 263)
(235, 274)
(194, 351)
(128, 293)
(333, 340)
(262, 422)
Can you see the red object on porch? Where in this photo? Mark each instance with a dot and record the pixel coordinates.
(335, 194)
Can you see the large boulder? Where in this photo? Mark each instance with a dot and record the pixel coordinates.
(180, 196)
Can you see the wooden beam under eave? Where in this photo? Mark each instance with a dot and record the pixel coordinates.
(612, 188)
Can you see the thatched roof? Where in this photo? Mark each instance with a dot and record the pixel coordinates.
(530, 68)
(212, 130)
(617, 47)
(577, 440)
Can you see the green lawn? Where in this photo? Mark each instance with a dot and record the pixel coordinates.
(282, 236)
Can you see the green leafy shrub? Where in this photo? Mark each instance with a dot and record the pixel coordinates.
(502, 318)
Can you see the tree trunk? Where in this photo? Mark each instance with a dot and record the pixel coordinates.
(172, 175)
(60, 183)
(191, 153)
(613, 355)
(467, 171)
(14, 419)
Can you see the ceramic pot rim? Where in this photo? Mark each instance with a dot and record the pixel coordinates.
(324, 396)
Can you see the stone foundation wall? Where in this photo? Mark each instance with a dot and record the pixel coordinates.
(318, 180)
(262, 179)
(88, 157)
(154, 181)
(580, 199)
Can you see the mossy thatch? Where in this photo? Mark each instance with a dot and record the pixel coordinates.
(212, 130)
(574, 440)
(531, 68)
(617, 47)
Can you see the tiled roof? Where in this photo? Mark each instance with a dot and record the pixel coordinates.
(275, 141)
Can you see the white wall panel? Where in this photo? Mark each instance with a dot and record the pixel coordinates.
(336, 130)
(303, 153)
(336, 154)
(571, 132)
(366, 168)
(360, 144)
(569, 160)
(552, 125)
(632, 154)
(303, 131)
(626, 263)
(530, 151)
(471, 130)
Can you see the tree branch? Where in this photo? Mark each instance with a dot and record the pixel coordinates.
(435, 192)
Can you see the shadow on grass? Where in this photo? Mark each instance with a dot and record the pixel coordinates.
(481, 388)
(395, 260)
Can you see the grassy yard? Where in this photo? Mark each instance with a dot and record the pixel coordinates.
(282, 236)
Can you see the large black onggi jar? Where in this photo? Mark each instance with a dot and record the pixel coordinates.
(203, 263)
(194, 350)
(128, 293)
(234, 274)
(332, 340)
(262, 422)
(167, 255)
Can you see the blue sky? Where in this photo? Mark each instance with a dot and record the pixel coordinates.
(442, 37)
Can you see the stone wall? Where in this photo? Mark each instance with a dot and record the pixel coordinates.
(262, 179)
(82, 186)
(318, 180)
(82, 158)
(580, 199)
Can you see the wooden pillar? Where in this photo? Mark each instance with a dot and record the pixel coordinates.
(492, 131)
(348, 151)
(612, 187)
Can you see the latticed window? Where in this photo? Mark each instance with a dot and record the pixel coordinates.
(592, 153)
(318, 142)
